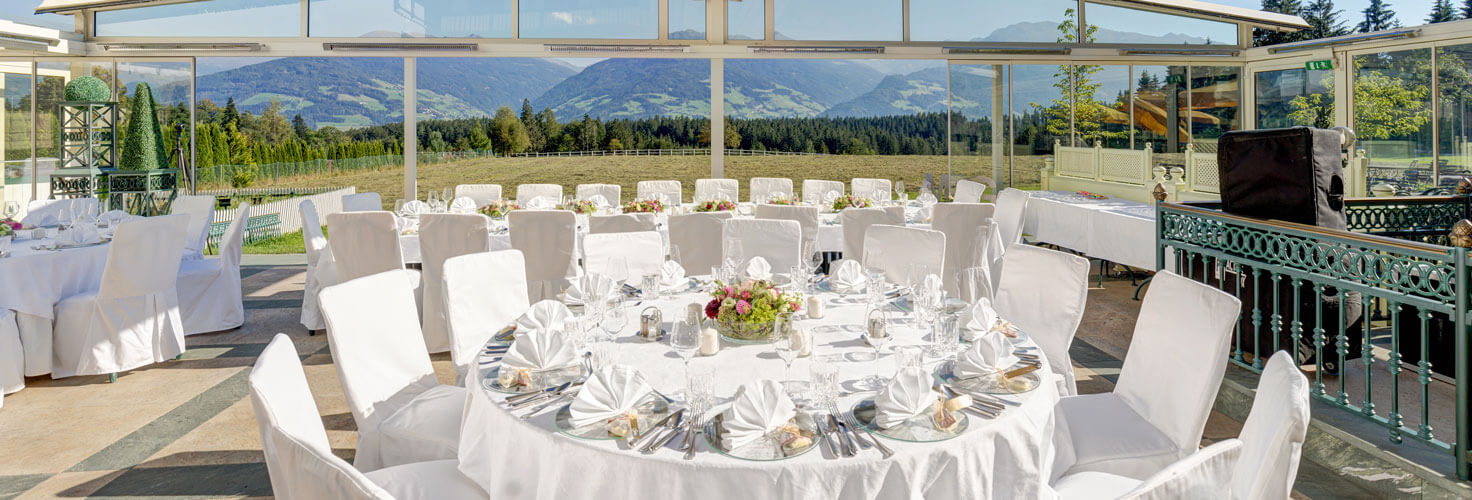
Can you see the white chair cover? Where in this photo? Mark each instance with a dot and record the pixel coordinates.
(132, 320)
(670, 190)
(315, 242)
(201, 212)
(1273, 434)
(442, 236)
(875, 189)
(547, 240)
(364, 243)
(968, 191)
(972, 239)
(806, 218)
(895, 248)
(976, 283)
(1169, 379)
(12, 356)
(1204, 475)
(1011, 207)
(777, 241)
(714, 189)
(815, 191)
(481, 194)
(642, 252)
(483, 293)
(1043, 292)
(37, 210)
(621, 223)
(362, 202)
(299, 457)
(762, 188)
(403, 414)
(695, 240)
(856, 222)
(209, 289)
(611, 192)
(526, 192)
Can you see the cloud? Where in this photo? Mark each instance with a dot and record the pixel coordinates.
(565, 17)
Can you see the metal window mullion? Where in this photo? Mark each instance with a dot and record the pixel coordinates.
(663, 29)
(771, 20)
(306, 17)
(1434, 102)
(35, 126)
(905, 30)
(515, 19)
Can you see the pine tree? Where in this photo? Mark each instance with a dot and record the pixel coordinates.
(1262, 37)
(1441, 12)
(1378, 16)
(299, 125)
(1324, 20)
(231, 115)
(143, 145)
(1467, 9)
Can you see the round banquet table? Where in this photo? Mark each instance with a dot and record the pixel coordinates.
(33, 281)
(1006, 457)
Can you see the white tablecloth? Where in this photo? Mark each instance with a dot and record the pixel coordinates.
(1113, 229)
(33, 281)
(1008, 457)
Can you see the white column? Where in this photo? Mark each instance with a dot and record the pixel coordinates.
(411, 133)
(717, 118)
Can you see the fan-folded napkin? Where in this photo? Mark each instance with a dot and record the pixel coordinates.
(989, 355)
(609, 393)
(850, 276)
(547, 314)
(671, 273)
(758, 269)
(462, 205)
(578, 292)
(760, 408)
(979, 319)
(540, 349)
(906, 397)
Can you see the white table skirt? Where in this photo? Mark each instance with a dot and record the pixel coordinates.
(1113, 229)
(33, 281)
(1008, 457)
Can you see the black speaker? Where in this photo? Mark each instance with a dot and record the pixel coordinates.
(1289, 174)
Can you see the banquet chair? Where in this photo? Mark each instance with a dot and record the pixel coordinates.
(481, 194)
(972, 240)
(362, 202)
(403, 413)
(12, 356)
(1171, 373)
(642, 253)
(856, 222)
(895, 249)
(875, 189)
(525, 193)
(815, 191)
(1011, 210)
(201, 212)
(366, 243)
(777, 241)
(1205, 474)
(315, 243)
(968, 191)
(716, 189)
(670, 190)
(209, 289)
(442, 236)
(49, 212)
(806, 218)
(132, 318)
(1273, 434)
(547, 239)
(621, 223)
(299, 457)
(695, 240)
(1043, 292)
(612, 193)
(483, 293)
(762, 188)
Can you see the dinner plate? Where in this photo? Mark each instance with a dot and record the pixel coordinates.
(919, 430)
(763, 450)
(945, 373)
(491, 379)
(657, 409)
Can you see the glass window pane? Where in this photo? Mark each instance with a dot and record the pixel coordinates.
(687, 20)
(17, 168)
(1392, 117)
(979, 123)
(1292, 97)
(746, 20)
(1132, 26)
(1453, 65)
(631, 19)
(24, 12)
(1160, 109)
(987, 20)
(1101, 109)
(1216, 95)
(410, 18)
(212, 18)
(878, 20)
(1040, 117)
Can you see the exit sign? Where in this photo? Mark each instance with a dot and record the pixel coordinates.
(1319, 65)
(1175, 79)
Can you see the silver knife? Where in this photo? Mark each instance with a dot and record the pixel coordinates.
(850, 448)
(529, 395)
(882, 448)
(828, 439)
(690, 440)
(863, 443)
(557, 400)
(638, 441)
(664, 437)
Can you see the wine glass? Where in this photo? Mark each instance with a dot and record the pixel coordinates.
(787, 346)
(685, 341)
(11, 209)
(399, 207)
(734, 254)
(614, 318)
(877, 335)
(618, 271)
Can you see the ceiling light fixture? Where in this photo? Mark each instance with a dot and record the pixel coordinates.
(1059, 51)
(1326, 42)
(206, 46)
(468, 46)
(583, 47)
(1180, 52)
(817, 50)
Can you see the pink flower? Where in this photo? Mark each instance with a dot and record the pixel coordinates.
(746, 295)
(743, 307)
(730, 291)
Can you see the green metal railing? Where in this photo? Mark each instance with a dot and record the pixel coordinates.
(1316, 292)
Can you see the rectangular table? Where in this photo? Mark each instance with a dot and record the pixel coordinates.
(1112, 229)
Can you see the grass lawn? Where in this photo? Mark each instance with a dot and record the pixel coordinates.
(280, 244)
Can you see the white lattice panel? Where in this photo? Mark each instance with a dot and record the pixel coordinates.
(1124, 165)
(1076, 162)
(1204, 175)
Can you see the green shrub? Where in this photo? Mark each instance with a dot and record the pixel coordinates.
(243, 176)
(87, 88)
(143, 146)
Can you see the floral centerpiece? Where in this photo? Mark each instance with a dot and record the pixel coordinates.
(1093, 196)
(745, 311)
(850, 201)
(8, 227)
(781, 199)
(580, 207)
(499, 208)
(715, 206)
(644, 206)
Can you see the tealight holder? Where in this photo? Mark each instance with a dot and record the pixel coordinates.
(651, 323)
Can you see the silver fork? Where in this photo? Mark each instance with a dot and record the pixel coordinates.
(849, 419)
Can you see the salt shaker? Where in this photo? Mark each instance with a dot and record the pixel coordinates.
(651, 324)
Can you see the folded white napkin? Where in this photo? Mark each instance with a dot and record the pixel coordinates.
(758, 269)
(546, 314)
(927, 199)
(41, 220)
(541, 203)
(599, 201)
(81, 234)
(671, 273)
(608, 393)
(906, 397)
(978, 319)
(849, 277)
(540, 349)
(115, 217)
(577, 294)
(988, 355)
(932, 285)
(760, 408)
(462, 205)
(414, 207)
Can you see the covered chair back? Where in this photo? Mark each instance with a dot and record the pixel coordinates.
(1011, 208)
(1273, 435)
(1043, 292)
(875, 189)
(611, 193)
(442, 236)
(483, 293)
(816, 191)
(621, 223)
(481, 194)
(856, 222)
(806, 218)
(670, 190)
(201, 212)
(315, 242)
(972, 239)
(362, 202)
(209, 289)
(1204, 474)
(777, 241)
(717, 189)
(640, 253)
(364, 243)
(546, 238)
(695, 240)
(525, 193)
(969, 191)
(762, 188)
(894, 249)
(50, 212)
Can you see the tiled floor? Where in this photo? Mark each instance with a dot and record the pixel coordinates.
(184, 429)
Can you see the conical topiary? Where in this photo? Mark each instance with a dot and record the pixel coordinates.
(87, 88)
(143, 146)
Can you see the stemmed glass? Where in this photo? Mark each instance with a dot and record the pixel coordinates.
(787, 346)
(685, 341)
(614, 318)
(877, 338)
(11, 209)
(734, 257)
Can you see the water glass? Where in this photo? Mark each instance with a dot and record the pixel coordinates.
(614, 318)
(823, 378)
(907, 357)
(603, 355)
(947, 336)
(650, 286)
(700, 388)
(12, 208)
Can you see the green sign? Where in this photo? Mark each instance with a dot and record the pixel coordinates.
(1319, 65)
(1175, 79)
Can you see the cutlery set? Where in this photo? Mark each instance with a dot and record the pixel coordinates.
(841, 438)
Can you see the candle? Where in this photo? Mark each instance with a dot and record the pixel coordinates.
(694, 312)
(815, 307)
(710, 342)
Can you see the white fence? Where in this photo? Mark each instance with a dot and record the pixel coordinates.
(1126, 166)
(289, 209)
(666, 152)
